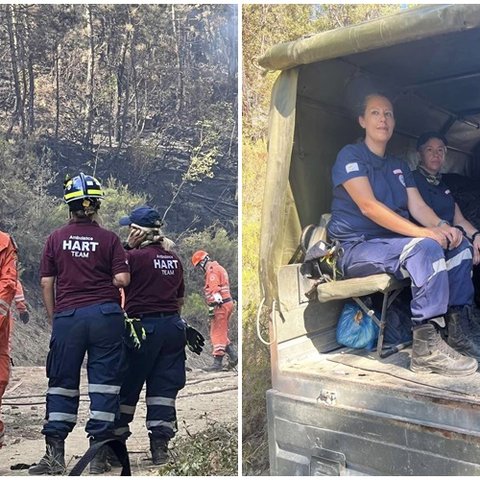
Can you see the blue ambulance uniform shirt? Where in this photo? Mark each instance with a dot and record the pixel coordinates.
(389, 178)
(437, 197)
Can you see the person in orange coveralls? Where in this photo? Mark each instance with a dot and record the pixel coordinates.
(8, 282)
(220, 307)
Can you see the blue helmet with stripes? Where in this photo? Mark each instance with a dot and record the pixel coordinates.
(80, 187)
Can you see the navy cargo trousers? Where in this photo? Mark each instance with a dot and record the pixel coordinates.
(98, 331)
(160, 363)
(440, 278)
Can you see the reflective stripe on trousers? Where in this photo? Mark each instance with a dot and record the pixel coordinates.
(96, 330)
(219, 328)
(439, 277)
(160, 363)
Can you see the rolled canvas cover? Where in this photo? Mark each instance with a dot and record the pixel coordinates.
(402, 27)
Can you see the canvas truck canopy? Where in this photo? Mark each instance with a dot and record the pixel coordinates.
(428, 61)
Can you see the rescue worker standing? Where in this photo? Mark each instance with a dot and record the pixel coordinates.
(8, 281)
(154, 299)
(219, 300)
(82, 268)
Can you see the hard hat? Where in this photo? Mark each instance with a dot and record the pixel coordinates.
(198, 257)
(81, 186)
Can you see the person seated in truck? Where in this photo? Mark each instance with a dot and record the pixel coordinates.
(432, 153)
(374, 196)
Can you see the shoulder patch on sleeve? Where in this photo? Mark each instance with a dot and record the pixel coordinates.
(351, 167)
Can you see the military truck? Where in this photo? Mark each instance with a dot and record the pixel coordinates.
(332, 410)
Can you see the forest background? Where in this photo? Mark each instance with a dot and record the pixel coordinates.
(144, 97)
(262, 27)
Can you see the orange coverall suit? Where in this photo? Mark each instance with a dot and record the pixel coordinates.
(8, 282)
(216, 281)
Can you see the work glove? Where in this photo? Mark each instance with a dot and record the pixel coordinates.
(24, 317)
(217, 298)
(195, 340)
(135, 331)
(211, 312)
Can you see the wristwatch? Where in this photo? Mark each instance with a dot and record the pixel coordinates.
(442, 222)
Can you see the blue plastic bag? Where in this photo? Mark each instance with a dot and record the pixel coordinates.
(356, 329)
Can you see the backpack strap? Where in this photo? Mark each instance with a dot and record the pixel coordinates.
(118, 447)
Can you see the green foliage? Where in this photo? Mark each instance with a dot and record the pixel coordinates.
(204, 154)
(27, 211)
(255, 382)
(256, 370)
(211, 452)
(119, 201)
(195, 311)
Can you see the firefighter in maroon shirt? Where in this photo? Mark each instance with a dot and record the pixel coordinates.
(155, 295)
(82, 268)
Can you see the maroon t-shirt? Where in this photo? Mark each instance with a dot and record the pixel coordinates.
(83, 257)
(157, 281)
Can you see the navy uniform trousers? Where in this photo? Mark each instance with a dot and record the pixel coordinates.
(98, 331)
(440, 278)
(160, 362)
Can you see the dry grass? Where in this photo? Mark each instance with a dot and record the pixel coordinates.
(256, 381)
(211, 452)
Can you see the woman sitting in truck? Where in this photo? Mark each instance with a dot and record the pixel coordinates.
(432, 152)
(374, 196)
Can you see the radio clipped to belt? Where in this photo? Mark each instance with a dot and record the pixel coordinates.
(135, 332)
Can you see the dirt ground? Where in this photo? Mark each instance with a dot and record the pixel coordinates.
(207, 397)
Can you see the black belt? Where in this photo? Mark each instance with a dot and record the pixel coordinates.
(226, 300)
(158, 314)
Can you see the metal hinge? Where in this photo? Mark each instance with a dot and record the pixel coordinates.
(327, 398)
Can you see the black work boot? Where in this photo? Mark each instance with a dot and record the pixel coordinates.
(53, 462)
(431, 354)
(473, 318)
(159, 449)
(99, 464)
(112, 458)
(460, 336)
(232, 356)
(216, 366)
